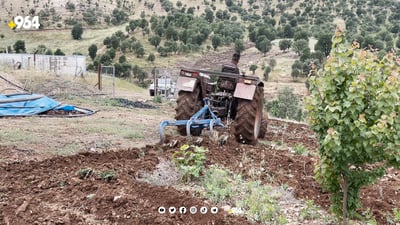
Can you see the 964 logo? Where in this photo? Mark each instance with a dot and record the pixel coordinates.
(24, 22)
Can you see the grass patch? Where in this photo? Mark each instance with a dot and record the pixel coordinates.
(256, 201)
(70, 149)
(14, 136)
(300, 149)
(115, 128)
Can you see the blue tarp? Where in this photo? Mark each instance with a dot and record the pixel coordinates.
(35, 104)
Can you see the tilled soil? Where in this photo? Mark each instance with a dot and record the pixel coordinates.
(53, 190)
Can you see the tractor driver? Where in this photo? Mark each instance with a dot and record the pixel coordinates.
(232, 67)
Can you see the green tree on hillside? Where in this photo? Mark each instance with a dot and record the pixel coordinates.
(285, 44)
(216, 41)
(263, 44)
(239, 45)
(300, 46)
(59, 52)
(253, 68)
(19, 46)
(324, 44)
(92, 51)
(155, 40)
(151, 57)
(77, 31)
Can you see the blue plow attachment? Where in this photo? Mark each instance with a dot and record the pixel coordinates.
(204, 118)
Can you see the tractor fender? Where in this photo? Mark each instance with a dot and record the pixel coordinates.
(246, 87)
(244, 91)
(186, 83)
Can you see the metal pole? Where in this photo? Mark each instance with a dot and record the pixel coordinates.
(99, 75)
(113, 83)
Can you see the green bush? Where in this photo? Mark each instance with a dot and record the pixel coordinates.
(189, 160)
(286, 106)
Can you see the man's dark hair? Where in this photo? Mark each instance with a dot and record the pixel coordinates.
(236, 56)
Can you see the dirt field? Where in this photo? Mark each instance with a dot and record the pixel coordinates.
(89, 170)
(50, 191)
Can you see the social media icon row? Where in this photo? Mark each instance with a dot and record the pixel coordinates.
(183, 210)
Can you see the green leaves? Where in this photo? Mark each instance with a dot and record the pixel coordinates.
(189, 159)
(353, 107)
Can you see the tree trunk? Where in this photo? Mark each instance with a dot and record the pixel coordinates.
(345, 189)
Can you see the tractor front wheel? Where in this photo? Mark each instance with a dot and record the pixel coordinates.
(248, 118)
(188, 104)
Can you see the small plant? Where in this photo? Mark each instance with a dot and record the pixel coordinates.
(108, 175)
(258, 203)
(189, 159)
(300, 149)
(310, 212)
(85, 173)
(395, 219)
(157, 99)
(218, 184)
(368, 217)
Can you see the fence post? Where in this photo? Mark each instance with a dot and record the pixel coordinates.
(99, 75)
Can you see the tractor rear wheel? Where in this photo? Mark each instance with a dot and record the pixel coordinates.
(188, 104)
(248, 118)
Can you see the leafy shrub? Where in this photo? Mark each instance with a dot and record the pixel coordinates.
(353, 108)
(189, 159)
(218, 184)
(286, 106)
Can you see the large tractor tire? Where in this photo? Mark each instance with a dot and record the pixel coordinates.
(249, 117)
(188, 104)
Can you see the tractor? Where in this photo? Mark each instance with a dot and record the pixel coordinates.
(207, 98)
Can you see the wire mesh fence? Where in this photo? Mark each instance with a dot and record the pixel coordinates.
(60, 65)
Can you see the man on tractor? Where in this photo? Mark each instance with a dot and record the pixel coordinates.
(232, 67)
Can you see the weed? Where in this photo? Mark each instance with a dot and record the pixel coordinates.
(142, 153)
(85, 173)
(218, 184)
(300, 149)
(108, 175)
(310, 212)
(395, 219)
(157, 99)
(258, 203)
(190, 161)
(369, 218)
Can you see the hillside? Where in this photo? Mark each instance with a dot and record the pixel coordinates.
(168, 33)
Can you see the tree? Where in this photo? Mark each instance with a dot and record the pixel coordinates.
(155, 40)
(263, 44)
(285, 44)
(324, 44)
(77, 31)
(253, 68)
(122, 59)
(216, 41)
(19, 46)
(209, 15)
(151, 57)
(355, 115)
(239, 46)
(299, 46)
(267, 71)
(92, 51)
(300, 34)
(59, 52)
(272, 63)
